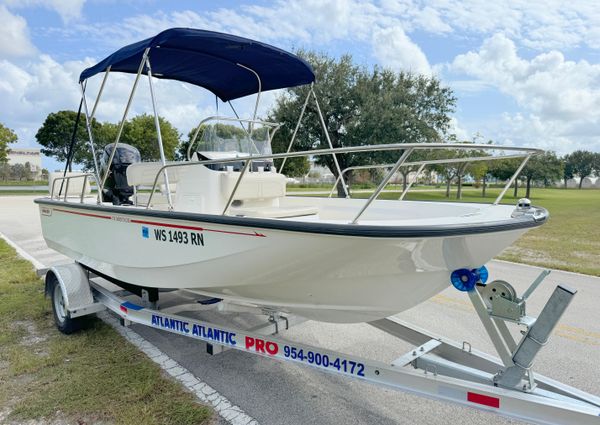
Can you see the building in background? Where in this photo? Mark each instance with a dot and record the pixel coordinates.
(27, 155)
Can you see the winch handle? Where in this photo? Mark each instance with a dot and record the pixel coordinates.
(535, 284)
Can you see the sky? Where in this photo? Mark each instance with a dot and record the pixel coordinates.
(525, 73)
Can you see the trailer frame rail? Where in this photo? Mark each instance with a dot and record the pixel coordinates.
(436, 368)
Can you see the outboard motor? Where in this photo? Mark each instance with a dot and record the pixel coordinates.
(116, 189)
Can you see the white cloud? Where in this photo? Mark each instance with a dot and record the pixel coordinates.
(69, 10)
(547, 84)
(537, 24)
(14, 35)
(559, 99)
(532, 130)
(44, 86)
(393, 49)
(295, 22)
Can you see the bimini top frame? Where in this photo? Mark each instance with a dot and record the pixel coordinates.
(207, 59)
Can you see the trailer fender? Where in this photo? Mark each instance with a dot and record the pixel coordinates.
(75, 288)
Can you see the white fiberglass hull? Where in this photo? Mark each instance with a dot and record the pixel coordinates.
(321, 276)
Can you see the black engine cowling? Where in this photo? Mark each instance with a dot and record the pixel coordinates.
(116, 189)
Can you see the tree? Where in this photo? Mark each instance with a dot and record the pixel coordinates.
(6, 136)
(568, 171)
(55, 137)
(5, 171)
(362, 107)
(17, 172)
(581, 163)
(27, 175)
(140, 132)
(479, 171)
(503, 169)
(56, 132)
(546, 167)
(457, 170)
(448, 173)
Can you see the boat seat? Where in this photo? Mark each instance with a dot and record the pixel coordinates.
(258, 195)
(274, 212)
(257, 185)
(144, 173)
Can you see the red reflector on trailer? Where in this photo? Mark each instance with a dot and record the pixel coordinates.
(486, 400)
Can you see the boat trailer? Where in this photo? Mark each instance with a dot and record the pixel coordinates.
(436, 367)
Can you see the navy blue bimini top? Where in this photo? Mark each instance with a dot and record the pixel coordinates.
(210, 60)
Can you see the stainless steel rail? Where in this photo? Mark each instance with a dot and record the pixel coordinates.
(406, 147)
(424, 163)
(85, 178)
(386, 179)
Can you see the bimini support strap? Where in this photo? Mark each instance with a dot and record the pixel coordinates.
(70, 152)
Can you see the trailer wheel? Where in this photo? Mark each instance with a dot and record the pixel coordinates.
(62, 319)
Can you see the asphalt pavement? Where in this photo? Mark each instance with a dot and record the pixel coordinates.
(284, 393)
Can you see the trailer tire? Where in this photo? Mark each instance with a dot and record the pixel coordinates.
(62, 319)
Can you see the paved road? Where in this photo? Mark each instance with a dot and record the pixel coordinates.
(23, 188)
(283, 393)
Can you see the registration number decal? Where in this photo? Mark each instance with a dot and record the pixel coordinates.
(182, 237)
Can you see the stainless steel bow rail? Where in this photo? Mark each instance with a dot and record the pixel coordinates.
(406, 148)
(436, 368)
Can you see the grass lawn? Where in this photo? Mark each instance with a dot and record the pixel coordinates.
(569, 241)
(90, 377)
(22, 192)
(23, 183)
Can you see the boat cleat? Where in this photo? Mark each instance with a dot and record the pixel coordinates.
(524, 208)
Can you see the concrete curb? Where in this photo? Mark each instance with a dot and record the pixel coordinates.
(24, 254)
(204, 392)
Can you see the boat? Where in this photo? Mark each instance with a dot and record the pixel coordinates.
(222, 225)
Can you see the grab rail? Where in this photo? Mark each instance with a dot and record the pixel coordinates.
(85, 177)
(408, 148)
(422, 164)
(274, 127)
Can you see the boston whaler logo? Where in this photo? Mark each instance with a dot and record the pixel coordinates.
(46, 211)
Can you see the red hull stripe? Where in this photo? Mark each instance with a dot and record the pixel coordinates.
(82, 213)
(485, 400)
(173, 226)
